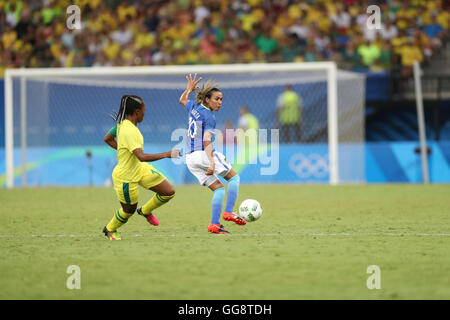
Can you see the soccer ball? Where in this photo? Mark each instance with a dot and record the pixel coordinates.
(250, 210)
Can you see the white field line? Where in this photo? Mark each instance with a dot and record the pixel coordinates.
(188, 235)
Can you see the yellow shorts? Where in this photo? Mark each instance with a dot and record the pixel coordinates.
(128, 192)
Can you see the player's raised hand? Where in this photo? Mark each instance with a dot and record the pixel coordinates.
(192, 82)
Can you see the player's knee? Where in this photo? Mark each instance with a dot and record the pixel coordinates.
(130, 209)
(170, 192)
(236, 179)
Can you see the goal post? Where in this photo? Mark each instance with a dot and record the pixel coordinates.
(421, 121)
(27, 88)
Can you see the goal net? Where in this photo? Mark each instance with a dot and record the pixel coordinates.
(55, 121)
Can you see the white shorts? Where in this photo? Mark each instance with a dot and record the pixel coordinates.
(198, 163)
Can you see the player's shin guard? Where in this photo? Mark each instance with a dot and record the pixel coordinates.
(155, 202)
(232, 192)
(120, 217)
(216, 205)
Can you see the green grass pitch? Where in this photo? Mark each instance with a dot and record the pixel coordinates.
(312, 242)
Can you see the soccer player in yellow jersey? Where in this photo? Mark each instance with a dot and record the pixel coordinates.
(132, 169)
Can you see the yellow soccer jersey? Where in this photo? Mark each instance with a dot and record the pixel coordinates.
(129, 168)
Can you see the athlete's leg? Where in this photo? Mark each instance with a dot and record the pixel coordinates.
(127, 194)
(164, 192)
(196, 163)
(216, 207)
(215, 185)
(232, 193)
(129, 208)
(217, 200)
(165, 188)
(233, 189)
(120, 217)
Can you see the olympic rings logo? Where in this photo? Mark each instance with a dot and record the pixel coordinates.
(313, 165)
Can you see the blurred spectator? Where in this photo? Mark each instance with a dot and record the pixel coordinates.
(111, 49)
(405, 15)
(310, 53)
(247, 120)
(143, 39)
(288, 110)
(123, 35)
(342, 19)
(50, 12)
(409, 53)
(443, 17)
(321, 41)
(369, 53)
(13, 10)
(399, 41)
(422, 42)
(291, 48)
(300, 30)
(152, 19)
(9, 36)
(266, 43)
(435, 32)
(386, 57)
(388, 31)
(201, 12)
(207, 43)
(248, 129)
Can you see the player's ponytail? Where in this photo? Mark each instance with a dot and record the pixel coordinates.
(128, 104)
(206, 91)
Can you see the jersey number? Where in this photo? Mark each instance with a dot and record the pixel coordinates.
(192, 128)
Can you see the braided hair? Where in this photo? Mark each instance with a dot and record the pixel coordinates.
(128, 105)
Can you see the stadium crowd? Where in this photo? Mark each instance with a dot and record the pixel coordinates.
(164, 32)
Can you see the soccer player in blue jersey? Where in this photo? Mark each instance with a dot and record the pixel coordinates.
(202, 160)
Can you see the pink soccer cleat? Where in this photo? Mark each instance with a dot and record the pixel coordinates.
(150, 217)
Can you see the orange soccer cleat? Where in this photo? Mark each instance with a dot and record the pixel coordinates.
(230, 216)
(217, 228)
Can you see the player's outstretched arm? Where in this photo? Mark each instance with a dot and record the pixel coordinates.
(149, 157)
(192, 84)
(110, 140)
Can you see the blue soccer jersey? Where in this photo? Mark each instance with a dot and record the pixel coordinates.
(201, 119)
